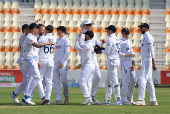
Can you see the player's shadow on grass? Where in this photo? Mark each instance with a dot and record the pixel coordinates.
(11, 104)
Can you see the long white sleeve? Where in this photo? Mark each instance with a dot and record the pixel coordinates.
(77, 46)
(108, 47)
(67, 51)
(97, 42)
(150, 43)
(87, 54)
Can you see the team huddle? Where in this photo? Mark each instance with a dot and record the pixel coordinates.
(40, 67)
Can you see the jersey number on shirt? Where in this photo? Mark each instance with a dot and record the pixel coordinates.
(48, 49)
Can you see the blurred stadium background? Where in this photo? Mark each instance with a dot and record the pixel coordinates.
(71, 13)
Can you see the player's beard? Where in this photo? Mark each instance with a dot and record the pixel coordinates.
(142, 31)
(85, 39)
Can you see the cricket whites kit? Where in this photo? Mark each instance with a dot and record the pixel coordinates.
(46, 58)
(145, 79)
(128, 76)
(62, 50)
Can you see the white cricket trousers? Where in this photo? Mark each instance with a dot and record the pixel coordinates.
(32, 67)
(128, 76)
(97, 77)
(60, 74)
(145, 79)
(23, 85)
(85, 80)
(46, 73)
(112, 66)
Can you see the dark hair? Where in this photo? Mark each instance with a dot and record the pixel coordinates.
(25, 26)
(40, 25)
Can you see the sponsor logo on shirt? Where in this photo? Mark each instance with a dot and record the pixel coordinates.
(88, 49)
(31, 40)
(58, 47)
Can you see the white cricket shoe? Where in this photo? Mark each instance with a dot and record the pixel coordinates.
(116, 103)
(95, 101)
(29, 101)
(14, 97)
(152, 103)
(58, 102)
(126, 103)
(66, 101)
(130, 100)
(86, 102)
(43, 101)
(24, 103)
(139, 103)
(104, 102)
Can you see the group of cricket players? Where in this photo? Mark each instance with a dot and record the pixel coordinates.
(41, 67)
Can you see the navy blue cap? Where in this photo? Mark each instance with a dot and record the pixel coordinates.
(89, 33)
(62, 28)
(111, 27)
(144, 25)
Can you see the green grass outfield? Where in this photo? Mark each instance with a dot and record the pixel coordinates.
(7, 106)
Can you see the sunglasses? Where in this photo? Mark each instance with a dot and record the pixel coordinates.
(88, 24)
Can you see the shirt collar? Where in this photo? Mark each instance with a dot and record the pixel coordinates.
(112, 35)
(124, 39)
(48, 34)
(88, 41)
(146, 33)
(84, 30)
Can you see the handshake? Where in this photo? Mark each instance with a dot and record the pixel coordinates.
(98, 49)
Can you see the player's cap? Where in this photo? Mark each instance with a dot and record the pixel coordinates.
(126, 31)
(89, 33)
(62, 28)
(144, 25)
(33, 25)
(86, 22)
(50, 28)
(25, 26)
(111, 27)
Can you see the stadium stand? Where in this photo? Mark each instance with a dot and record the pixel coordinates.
(71, 13)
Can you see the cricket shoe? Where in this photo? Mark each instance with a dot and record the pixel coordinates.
(126, 103)
(86, 102)
(24, 103)
(29, 101)
(14, 97)
(43, 100)
(58, 102)
(47, 102)
(66, 101)
(130, 100)
(95, 101)
(116, 103)
(139, 103)
(152, 103)
(104, 102)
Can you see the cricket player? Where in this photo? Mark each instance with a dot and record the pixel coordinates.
(113, 61)
(87, 25)
(30, 61)
(22, 86)
(60, 71)
(88, 68)
(127, 66)
(148, 62)
(46, 59)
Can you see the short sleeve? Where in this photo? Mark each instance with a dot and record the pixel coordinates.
(30, 40)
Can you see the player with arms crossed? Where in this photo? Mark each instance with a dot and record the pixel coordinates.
(46, 58)
(127, 66)
(30, 61)
(87, 25)
(61, 66)
(148, 62)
